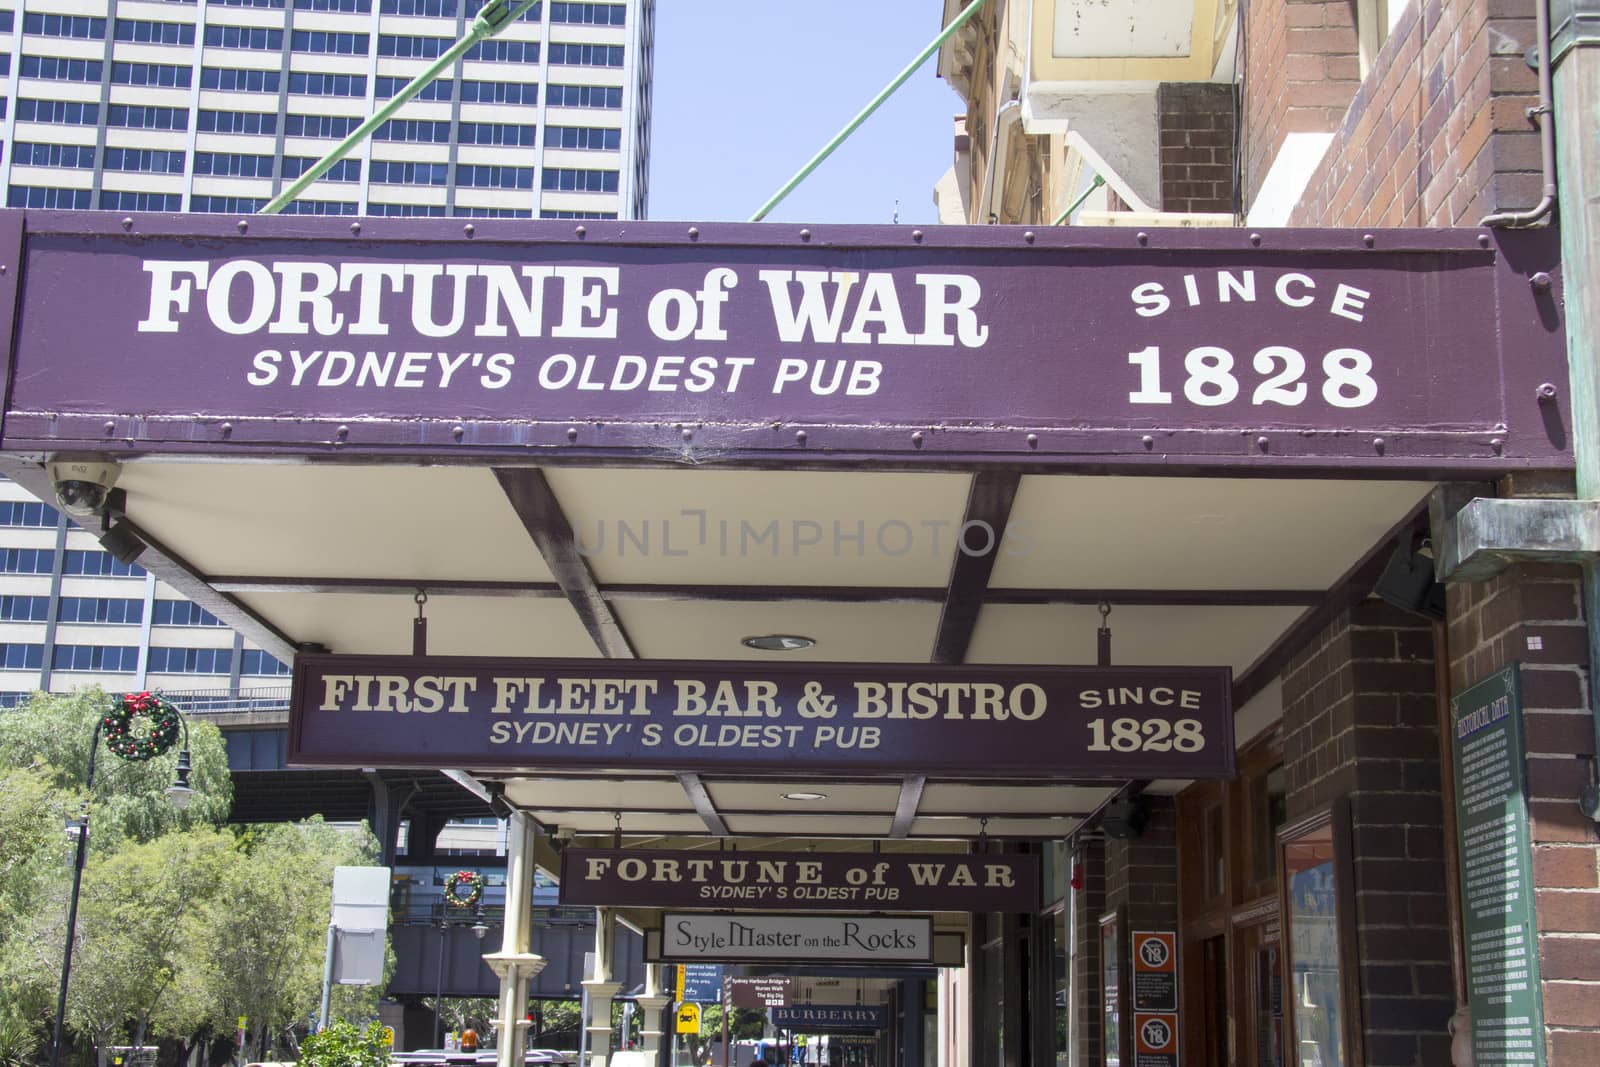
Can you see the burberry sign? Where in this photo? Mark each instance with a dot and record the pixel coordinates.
(1052, 722)
(808, 880)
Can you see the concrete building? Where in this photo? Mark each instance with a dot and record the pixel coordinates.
(1369, 116)
(213, 107)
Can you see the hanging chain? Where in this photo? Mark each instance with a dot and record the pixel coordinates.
(983, 832)
(1103, 635)
(616, 833)
(419, 626)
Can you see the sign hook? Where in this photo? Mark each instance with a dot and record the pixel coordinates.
(616, 833)
(1104, 635)
(419, 626)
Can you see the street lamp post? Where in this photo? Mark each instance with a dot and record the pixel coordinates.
(180, 792)
(479, 928)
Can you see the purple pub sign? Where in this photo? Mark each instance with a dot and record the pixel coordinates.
(1403, 349)
(990, 722)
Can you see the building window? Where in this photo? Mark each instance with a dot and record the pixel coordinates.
(328, 84)
(181, 613)
(21, 657)
(119, 610)
(252, 38)
(226, 205)
(274, 4)
(599, 96)
(405, 210)
(494, 212)
(58, 112)
(589, 14)
(569, 180)
(491, 176)
(123, 658)
(497, 51)
(554, 214)
(430, 8)
(24, 608)
(27, 513)
(237, 122)
(325, 42)
(163, 75)
(145, 160)
(113, 200)
(530, 15)
(1315, 852)
(585, 55)
(48, 196)
(427, 131)
(497, 133)
(346, 170)
(232, 165)
(349, 7)
(413, 47)
(96, 563)
(319, 125)
(257, 662)
(27, 560)
(141, 32)
(394, 172)
(320, 207)
(191, 660)
(500, 92)
(52, 68)
(5, 21)
(135, 117)
(81, 27)
(239, 81)
(583, 137)
(386, 87)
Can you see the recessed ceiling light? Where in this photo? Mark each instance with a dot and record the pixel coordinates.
(805, 796)
(778, 642)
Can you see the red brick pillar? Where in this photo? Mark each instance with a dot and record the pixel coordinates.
(1533, 615)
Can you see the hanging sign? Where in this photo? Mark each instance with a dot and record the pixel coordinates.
(988, 721)
(794, 938)
(758, 991)
(628, 339)
(1155, 971)
(825, 1018)
(702, 982)
(688, 1019)
(1497, 887)
(827, 881)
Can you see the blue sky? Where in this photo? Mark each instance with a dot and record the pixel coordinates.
(747, 90)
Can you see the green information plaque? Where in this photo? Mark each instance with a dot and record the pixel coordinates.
(1497, 903)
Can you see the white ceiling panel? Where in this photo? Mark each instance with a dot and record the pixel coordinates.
(315, 520)
(950, 826)
(634, 794)
(377, 624)
(840, 796)
(952, 798)
(764, 527)
(601, 823)
(1194, 533)
(809, 825)
(699, 629)
(1140, 636)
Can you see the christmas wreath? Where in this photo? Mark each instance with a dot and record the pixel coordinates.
(140, 745)
(474, 883)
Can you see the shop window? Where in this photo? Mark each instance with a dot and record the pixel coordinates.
(1315, 900)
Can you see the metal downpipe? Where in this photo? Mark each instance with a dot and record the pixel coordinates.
(1547, 130)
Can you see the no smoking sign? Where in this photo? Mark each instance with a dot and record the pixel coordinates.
(1155, 1039)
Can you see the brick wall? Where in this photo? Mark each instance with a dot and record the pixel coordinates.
(1300, 72)
(1142, 872)
(1533, 615)
(1438, 134)
(1197, 128)
(1360, 723)
(1090, 902)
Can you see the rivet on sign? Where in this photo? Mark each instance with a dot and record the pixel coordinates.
(342, 432)
(1028, 237)
(580, 230)
(1378, 445)
(805, 235)
(1148, 441)
(1255, 238)
(109, 427)
(694, 233)
(916, 438)
(1496, 444)
(1539, 279)
(1033, 440)
(1484, 240)
(1547, 391)
(1143, 237)
(1262, 443)
(127, 223)
(688, 435)
(458, 431)
(916, 235)
(355, 227)
(1368, 240)
(572, 433)
(469, 229)
(243, 225)
(227, 429)
(800, 437)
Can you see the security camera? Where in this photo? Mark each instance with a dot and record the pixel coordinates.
(83, 483)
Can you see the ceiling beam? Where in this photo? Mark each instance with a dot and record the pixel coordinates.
(700, 797)
(905, 809)
(988, 509)
(771, 594)
(536, 505)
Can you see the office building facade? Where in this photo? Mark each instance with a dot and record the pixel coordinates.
(139, 105)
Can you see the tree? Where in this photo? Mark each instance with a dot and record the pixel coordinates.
(33, 868)
(53, 732)
(342, 1045)
(559, 1022)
